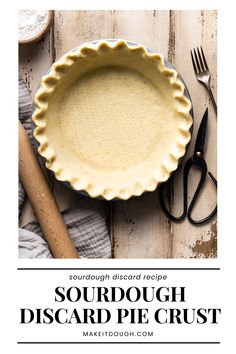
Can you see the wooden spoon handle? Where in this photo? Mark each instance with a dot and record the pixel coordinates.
(42, 201)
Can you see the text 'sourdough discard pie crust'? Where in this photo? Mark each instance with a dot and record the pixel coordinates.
(111, 119)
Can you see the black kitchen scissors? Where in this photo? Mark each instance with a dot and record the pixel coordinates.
(198, 161)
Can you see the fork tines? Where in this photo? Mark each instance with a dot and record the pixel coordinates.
(199, 60)
(202, 72)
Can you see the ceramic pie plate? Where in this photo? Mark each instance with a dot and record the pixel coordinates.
(112, 119)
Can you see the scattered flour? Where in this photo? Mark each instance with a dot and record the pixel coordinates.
(31, 22)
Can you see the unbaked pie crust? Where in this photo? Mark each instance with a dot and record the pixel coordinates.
(111, 119)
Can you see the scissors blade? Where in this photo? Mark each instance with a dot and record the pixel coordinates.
(201, 135)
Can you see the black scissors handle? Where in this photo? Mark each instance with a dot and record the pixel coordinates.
(168, 185)
(200, 163)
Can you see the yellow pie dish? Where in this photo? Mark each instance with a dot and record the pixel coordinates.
(111, 119)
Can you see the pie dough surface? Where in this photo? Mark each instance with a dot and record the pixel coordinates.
(112, 120)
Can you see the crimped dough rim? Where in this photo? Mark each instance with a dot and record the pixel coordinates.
(47, 87)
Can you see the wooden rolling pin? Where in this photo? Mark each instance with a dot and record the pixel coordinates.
(42, 201)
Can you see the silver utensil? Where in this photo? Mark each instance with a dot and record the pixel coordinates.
(202, 72)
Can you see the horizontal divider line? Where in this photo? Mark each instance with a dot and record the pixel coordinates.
(118, 268)
(118, 342)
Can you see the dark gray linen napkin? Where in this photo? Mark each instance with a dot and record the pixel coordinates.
(85, 220)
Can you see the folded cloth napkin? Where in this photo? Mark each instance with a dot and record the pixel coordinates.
(85, 220)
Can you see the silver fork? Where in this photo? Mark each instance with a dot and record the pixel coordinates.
(202, 72)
